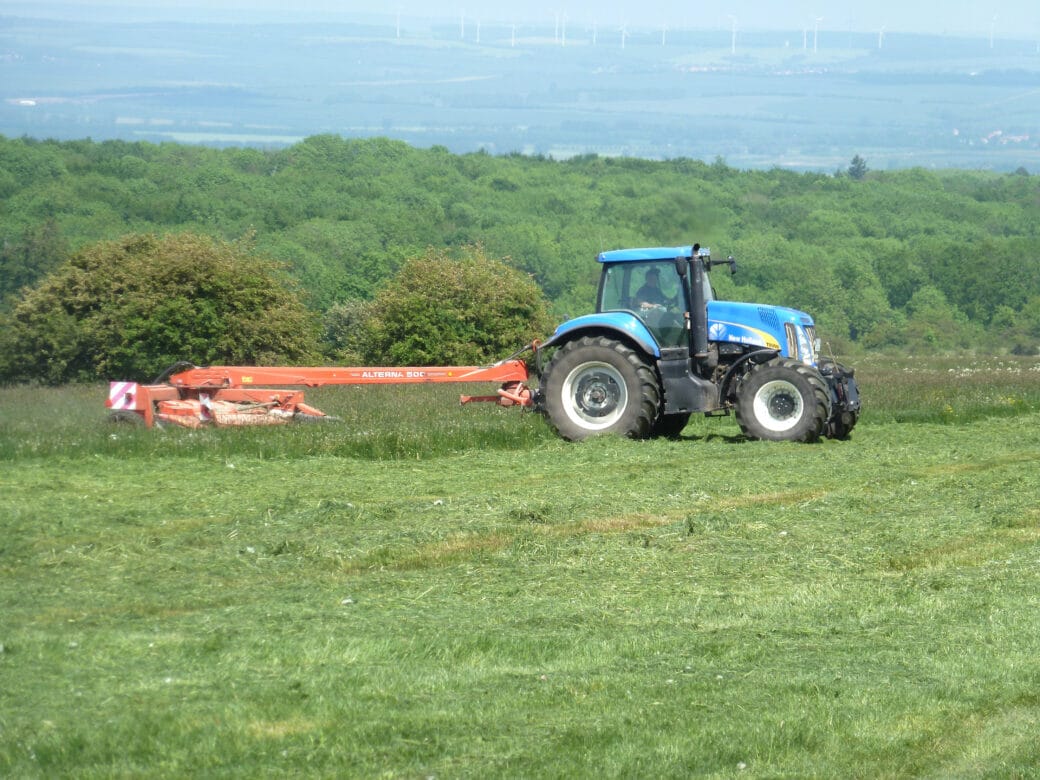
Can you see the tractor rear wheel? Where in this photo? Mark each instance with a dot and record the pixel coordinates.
(783, 400)
(596, 385)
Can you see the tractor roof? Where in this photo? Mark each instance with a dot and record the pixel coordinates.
(647, 253)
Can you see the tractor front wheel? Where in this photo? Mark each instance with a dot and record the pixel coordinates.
(783, 400)
(845, 399)
(595, 385)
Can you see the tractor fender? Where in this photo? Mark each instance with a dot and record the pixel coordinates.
(626, 326)
(737, 369)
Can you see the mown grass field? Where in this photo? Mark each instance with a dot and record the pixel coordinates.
(434, 591)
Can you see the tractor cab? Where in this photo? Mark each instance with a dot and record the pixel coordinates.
(651, 289)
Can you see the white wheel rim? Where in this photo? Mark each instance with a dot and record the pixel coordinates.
(595, 395)
(778, 406)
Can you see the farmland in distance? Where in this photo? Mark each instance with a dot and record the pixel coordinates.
(772, 100)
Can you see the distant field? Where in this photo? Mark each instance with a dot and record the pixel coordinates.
(429, 590)
(774, 99)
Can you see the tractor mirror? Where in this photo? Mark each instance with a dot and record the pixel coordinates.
(680, 267)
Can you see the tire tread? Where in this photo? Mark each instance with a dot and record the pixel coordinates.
(570, 355)
(808, 433)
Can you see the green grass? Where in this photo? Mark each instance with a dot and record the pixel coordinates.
(428, 590)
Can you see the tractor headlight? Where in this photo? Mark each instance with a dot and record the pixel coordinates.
(805, 350)
(792, 339)
(799, 343)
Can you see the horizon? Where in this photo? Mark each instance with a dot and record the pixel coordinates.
(808, 99)
(1003, 19)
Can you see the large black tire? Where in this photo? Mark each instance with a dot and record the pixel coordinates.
(595, 385)
(783, 400)
(841, 425)
(842, 419)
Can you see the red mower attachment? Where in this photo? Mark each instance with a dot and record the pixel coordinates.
(229, 395)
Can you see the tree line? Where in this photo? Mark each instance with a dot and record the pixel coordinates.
(910, 260)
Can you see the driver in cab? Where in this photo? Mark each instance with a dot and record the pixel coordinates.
(650, 296)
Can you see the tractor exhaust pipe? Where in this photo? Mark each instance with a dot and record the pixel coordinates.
(694, 266)
(698, 308)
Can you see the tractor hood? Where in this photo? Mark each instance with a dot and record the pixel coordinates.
(788, 331)
(757, 325)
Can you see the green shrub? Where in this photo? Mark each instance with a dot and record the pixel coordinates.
(131, 307)
(444, 310)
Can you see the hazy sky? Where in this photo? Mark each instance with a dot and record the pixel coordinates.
(1002, 18)
(1011, 16)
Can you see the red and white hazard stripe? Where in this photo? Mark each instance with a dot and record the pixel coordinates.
(122, 395)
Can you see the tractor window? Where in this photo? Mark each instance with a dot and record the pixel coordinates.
(614, 291)
(656, 284)
(659, 302)
(653, 292)
(709, 291)
(632, 286)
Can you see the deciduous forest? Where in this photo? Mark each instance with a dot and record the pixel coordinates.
(912, 260)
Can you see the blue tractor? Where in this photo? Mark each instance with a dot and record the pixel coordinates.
(660, 348)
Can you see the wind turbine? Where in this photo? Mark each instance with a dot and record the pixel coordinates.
(816, 33)
(733, 37)
(881, 36)
(563, 30)
(624, 34)
(664, 34)
(992, 30)
(462, 24)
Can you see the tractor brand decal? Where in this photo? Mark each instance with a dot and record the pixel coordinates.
(742, 334)
(393, 374)
(121, 395)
